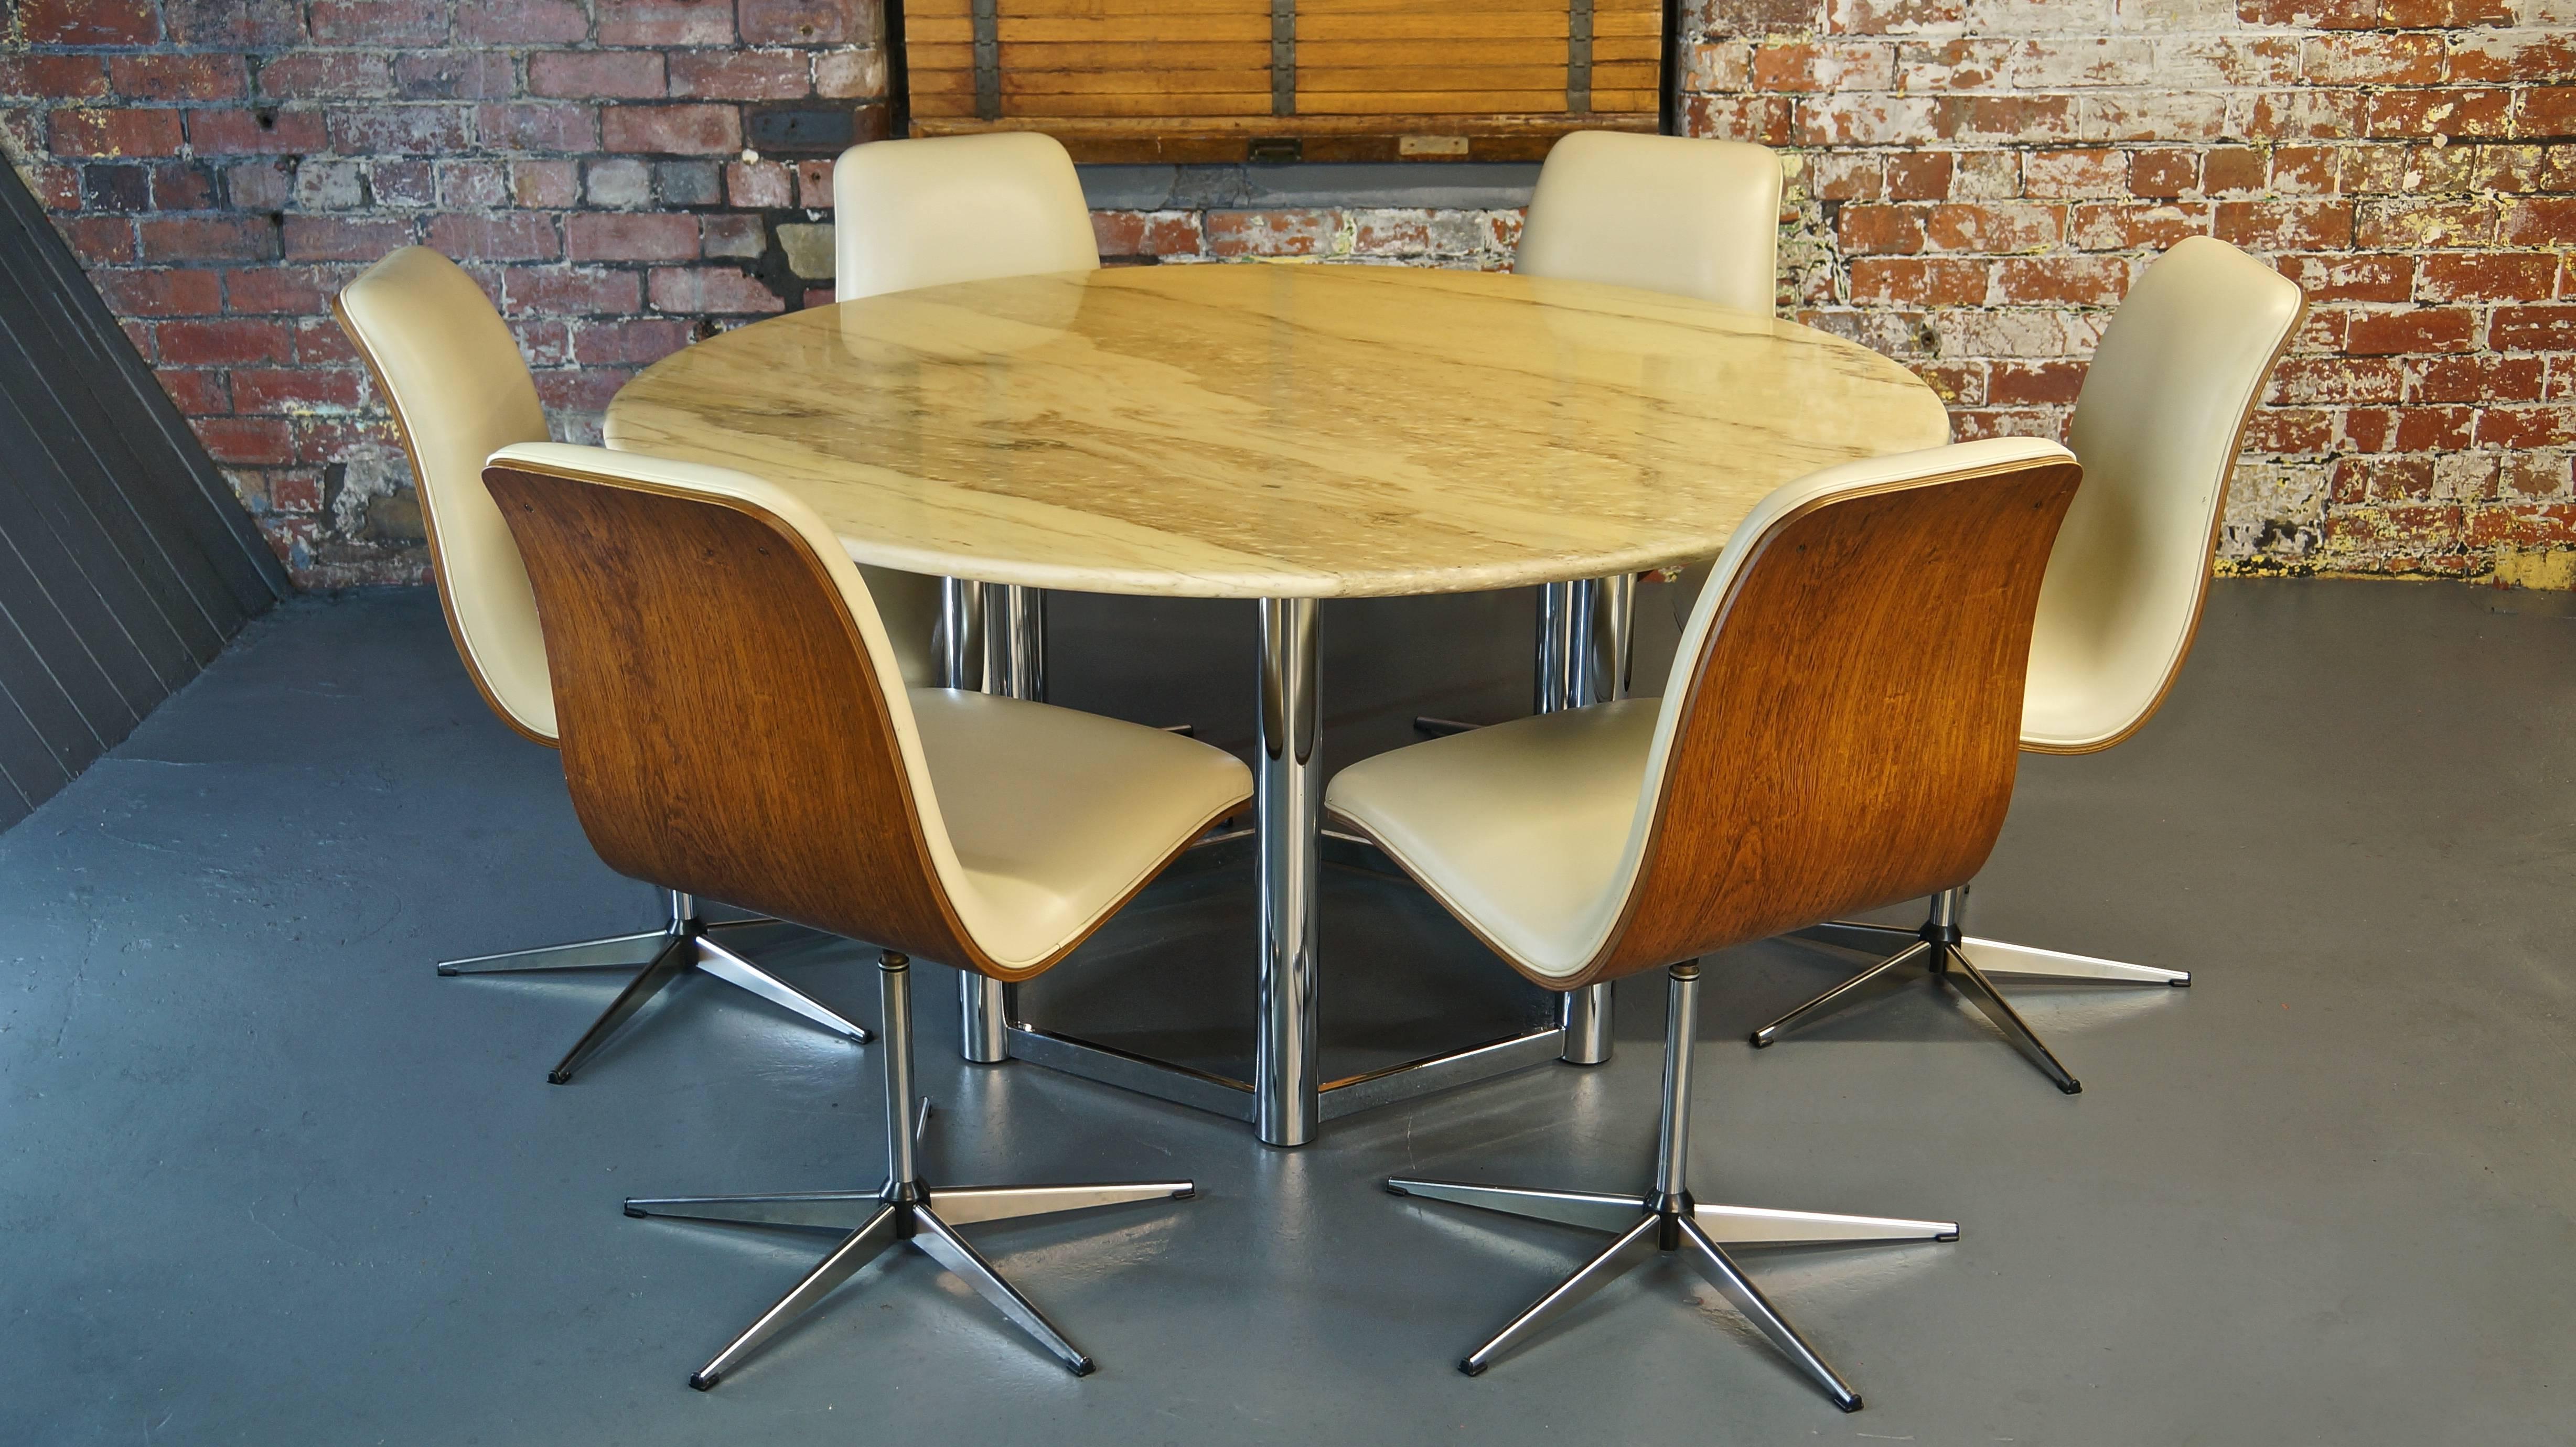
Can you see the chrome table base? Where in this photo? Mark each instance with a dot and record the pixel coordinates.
(993, 1030)
(1941, 950)
(905, 1209)
(1667, 1219)
(687, 943)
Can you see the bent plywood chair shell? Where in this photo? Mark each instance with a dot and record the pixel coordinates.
(735, 725)
(1838, 732)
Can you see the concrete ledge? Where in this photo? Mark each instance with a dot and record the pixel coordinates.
(1468, 185)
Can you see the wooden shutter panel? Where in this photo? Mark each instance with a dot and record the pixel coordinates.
(1202, 80)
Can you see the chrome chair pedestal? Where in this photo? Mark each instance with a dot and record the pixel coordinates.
(1949, 956)
(1668, 1219)
(906, 1209)
(660, 958)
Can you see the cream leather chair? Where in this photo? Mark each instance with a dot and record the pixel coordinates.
(910, 214)
(445, 364)
(1659, 213)
(2158, 425)
(1687, 217)
(1779, 780)
(928, 212)
(988, 833)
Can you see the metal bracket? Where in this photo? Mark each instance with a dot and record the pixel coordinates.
(1578, 57)
(1283, 57)
(988, 60)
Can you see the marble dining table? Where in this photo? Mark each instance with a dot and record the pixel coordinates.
(1280, 433)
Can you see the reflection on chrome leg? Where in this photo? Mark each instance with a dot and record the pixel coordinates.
(1747, 1298)
(616, 952)
(1759, 1226)
(821, 1210)
(734, 970)
(1852, 935)
(968, 1265)
(861, 1247)
(1573, 1208)
(1877, 979)
(1995, 957)
(1613, 1262)
(673, 962)
(961, 1205)
(1965, 977)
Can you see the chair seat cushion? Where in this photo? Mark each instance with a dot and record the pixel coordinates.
(1057, 816)
(1522, 827)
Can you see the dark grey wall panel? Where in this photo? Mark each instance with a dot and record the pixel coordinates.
(125, 563)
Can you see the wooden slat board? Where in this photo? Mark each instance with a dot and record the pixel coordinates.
(1201, 80)
(125, 563)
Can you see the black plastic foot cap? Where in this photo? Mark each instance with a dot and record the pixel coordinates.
(2182, 984)
(1472, 1367)
(446, 970)
(1393, 1189)
(705, 1381)
(1085, 1367)
(558, 1077)
(2073, 1087)
(1759, 1041)
(1186, 1193)
(1851, 1406)
(1952, 1236)
(638, 1212)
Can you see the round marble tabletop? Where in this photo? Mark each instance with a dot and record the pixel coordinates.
(1283, 431)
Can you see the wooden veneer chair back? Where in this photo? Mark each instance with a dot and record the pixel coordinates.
(1683, 216)
(735, 722)
(693, 611)
(1839, 730)
(943, 209)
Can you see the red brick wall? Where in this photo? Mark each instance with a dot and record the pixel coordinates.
(1974, 183)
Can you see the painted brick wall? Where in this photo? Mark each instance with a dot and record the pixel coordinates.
(1974, 183)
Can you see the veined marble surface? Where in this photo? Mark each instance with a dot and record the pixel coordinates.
(1277, 430)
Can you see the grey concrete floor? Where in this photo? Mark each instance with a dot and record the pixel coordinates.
(267, 1179)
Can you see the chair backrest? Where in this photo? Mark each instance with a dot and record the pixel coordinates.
(446, 364)
(942, 209)
(734, 718)
(1839, 729)
(2157, 426)
(1660, 213)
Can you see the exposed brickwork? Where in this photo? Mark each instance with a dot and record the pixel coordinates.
(1974, 185)
(1977, 182)
(223, 166)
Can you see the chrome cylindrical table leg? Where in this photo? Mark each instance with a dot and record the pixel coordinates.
(1289, 791)
(1606, 612)
(1570, 616)
(1584, 1015)
(1557, 649)
(961, 634)
(987, 641)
